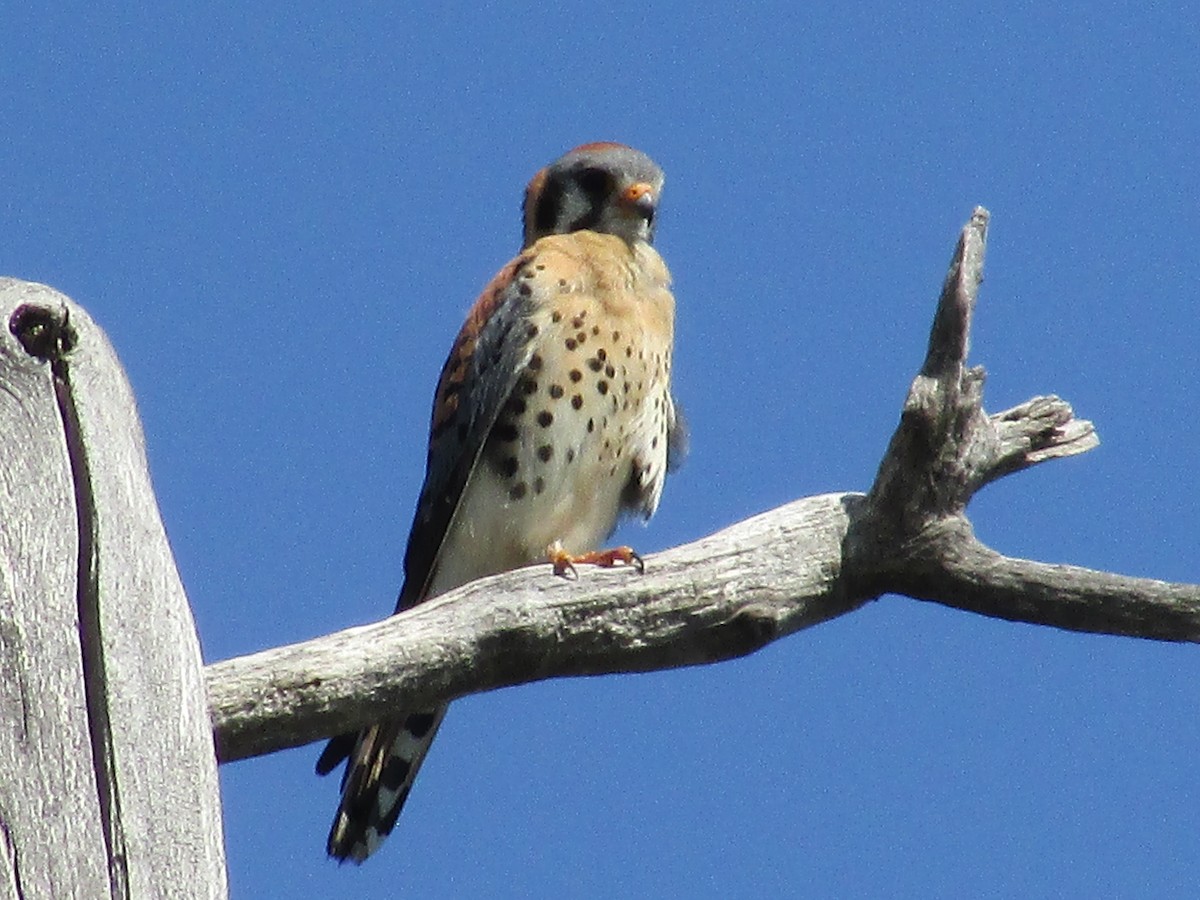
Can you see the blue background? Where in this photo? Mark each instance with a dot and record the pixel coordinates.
(280, 217)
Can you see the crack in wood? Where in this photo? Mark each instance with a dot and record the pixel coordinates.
(46, 334)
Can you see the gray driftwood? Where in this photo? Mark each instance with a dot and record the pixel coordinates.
(109, 784)
(735, 591)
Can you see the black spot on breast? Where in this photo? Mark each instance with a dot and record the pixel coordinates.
(577, 401)
(517, 491)
(529, 386)
(556, 391)
(525, 290)
(595, 365)
(556, 316)
(545, 418)
(516, 405)
(602, 386)
(538, 485)
(610, 371)
(576, 375)
(570, 342)
(509, 466)
(546, 451)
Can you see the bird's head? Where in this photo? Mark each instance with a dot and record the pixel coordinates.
(604, 187)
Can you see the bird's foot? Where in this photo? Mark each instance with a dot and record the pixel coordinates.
(564, 563)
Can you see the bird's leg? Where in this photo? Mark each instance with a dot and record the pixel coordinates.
(564, 563)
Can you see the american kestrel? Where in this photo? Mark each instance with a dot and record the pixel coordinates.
(553, 416)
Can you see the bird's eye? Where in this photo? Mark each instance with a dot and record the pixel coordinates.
(594, 182)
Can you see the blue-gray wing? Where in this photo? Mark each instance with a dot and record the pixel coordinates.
(484, 366)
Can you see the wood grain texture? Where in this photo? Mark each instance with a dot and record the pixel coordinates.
(112, 788)
(48, 793)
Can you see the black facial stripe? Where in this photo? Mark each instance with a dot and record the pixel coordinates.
(549, 207)
(596, 184)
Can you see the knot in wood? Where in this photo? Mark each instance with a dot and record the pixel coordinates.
(45, 332)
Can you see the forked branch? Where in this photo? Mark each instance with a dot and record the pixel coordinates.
(737, 590)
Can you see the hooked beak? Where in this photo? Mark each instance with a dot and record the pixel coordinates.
(639, 199)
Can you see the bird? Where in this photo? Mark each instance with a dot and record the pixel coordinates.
(552, 419)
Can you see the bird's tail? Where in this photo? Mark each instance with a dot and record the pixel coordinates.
(379, 774)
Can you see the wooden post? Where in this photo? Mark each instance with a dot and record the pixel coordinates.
(108, 780)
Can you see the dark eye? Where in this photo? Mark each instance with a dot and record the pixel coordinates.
(594, 182)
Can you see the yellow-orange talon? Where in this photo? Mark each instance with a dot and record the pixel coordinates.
(564, 562)
(608, 558)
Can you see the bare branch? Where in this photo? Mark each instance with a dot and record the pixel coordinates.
(720, 597)
(733, 592)
(955, 569)
(949, 339)
(932, 463)
(1039, 429)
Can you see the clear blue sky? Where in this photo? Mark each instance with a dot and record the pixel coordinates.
(281, 217)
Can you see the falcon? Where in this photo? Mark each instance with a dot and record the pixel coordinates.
(552, 419)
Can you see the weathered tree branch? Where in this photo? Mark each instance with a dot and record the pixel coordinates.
(737, 590)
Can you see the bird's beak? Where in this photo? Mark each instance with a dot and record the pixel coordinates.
(640, 200)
